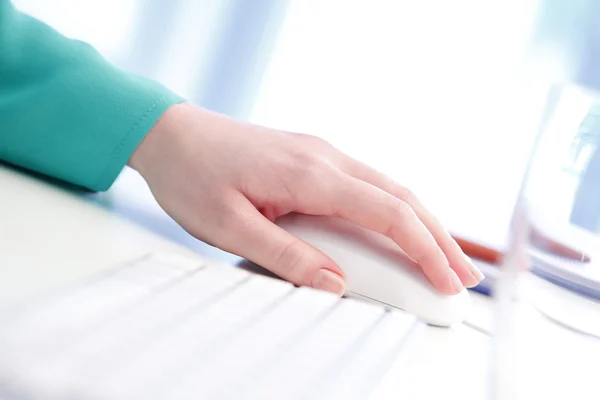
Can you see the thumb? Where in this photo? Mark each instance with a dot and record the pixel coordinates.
(259, 240)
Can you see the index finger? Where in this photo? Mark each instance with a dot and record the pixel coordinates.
(379, 211)
(459, 262)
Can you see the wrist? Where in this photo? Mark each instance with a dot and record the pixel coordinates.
(152, 146)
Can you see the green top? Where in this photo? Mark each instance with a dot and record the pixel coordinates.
(64, 110)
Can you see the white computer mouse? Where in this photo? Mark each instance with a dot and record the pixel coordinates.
(376, 268)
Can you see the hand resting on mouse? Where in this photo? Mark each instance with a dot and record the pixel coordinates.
(226, 181)
(376, 269)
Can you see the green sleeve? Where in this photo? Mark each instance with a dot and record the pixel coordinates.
(64, 110)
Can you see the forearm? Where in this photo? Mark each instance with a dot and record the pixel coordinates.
(64, 110)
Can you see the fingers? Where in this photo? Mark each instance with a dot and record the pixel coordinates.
(379, 211)
(254, 237)
(468, 273)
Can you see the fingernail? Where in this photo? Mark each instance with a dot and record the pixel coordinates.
(456, 283)
(329, 281)
(475, 272)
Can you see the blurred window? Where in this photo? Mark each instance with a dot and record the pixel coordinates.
(422, 90)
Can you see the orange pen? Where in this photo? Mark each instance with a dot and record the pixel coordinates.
(538, 240)
(479, 251)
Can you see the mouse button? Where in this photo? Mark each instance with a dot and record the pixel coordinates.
(374, 245)
(450, 310)
(377, 278)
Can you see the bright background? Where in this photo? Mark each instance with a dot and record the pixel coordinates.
(434, 93)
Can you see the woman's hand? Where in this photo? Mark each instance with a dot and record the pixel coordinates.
(226, 181)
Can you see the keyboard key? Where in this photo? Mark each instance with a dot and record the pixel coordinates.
(313, 354)
(134, 330)
(142, 376)
(170, 326)
(131, 332)
(275, 332)
(63, 318)
(357, 374)
(151, 272)
(174, 260)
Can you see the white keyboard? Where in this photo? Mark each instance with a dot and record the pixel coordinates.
(172, 327)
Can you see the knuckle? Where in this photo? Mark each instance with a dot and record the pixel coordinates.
(294, 174)
(312, 140)
(405, 194)
(425, 257)
(228, 217)
(304, 160)
(432, 255)
(399, 213)
(400, 208)
(305, 166)
(290, 259)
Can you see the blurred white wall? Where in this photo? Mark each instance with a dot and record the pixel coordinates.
(106, 24)
(170, 41)
(425, 91)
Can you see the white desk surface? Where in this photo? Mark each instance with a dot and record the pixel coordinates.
(50, 236)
